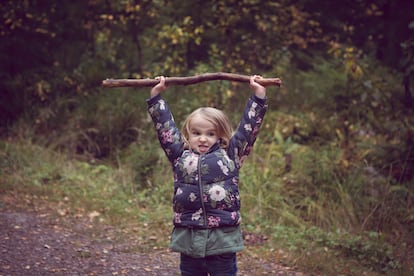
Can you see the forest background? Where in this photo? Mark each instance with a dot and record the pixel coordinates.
(330, 183)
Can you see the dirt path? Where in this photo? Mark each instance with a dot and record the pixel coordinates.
(33, 243)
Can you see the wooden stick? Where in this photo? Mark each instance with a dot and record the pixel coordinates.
(188, 80)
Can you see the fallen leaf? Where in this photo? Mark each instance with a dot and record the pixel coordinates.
(93, 215)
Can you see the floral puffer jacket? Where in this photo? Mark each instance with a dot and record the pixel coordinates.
(206, 193)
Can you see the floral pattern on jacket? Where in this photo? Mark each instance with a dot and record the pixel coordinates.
(206, 193)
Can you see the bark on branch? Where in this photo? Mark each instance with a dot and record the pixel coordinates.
(188, 80)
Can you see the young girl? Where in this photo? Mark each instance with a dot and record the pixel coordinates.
(206, 158)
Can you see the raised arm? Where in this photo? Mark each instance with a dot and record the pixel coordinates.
(168, 133)
(245, 136)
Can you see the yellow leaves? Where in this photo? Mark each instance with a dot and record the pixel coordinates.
(107, 17)
(173, 33)
(348, 28)
(349, 53)
(132, 8)
(350, 58)
(182, 33)
(229, 93)
(300, 41)
(262, 26)
(41, 30)
(199, 30)
(187, 20)
(373, 10)
(353, 69)
(339, 134)
(197, 40)
(42, 89)
(174, 38)
(335, 49)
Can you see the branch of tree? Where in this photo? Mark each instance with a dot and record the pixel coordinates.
(188, 80)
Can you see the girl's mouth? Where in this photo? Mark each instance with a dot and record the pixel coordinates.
(203, 148)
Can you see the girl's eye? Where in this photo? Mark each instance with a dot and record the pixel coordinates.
(212, 134)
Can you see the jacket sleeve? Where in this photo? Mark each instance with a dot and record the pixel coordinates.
(168, 133)
(246, 133)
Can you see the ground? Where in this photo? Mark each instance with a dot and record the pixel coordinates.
(34, 241)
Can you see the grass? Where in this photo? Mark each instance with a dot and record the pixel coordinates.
(319, 214)
(309, 215)
(80, 189)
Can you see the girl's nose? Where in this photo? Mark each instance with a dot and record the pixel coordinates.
(203, 138)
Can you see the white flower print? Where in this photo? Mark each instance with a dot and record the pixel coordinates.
(192, 197)
(179, 191)
(158, 125)
(197, 215)
(251, 113)
(217, 193)
(228, 158)
(162, 104)
(190, 163)
(248, 127)
(223, 167)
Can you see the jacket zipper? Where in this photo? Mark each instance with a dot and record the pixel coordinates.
(200, 186)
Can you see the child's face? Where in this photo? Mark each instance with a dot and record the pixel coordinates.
(203, 134)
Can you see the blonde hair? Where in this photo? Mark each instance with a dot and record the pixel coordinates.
(215, 116)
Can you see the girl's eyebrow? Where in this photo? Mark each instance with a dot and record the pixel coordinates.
(198, 129)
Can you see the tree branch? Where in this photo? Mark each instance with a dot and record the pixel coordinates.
(188, 80)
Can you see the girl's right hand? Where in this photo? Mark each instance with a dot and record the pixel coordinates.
(159, 87)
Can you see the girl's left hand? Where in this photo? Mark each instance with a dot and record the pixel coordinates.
(259, 90)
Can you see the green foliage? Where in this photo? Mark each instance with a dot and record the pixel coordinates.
(143, 160)
(333, 165)
(345, 207)
(369, 249)
(274, 201)
(97, 126)
(79, 186)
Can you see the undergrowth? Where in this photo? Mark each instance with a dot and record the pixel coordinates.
(311, 216)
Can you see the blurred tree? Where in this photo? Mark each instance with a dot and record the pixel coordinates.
(42, 42)
(380, 28)
(73, 45)
(239, 36)
(51, 50)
